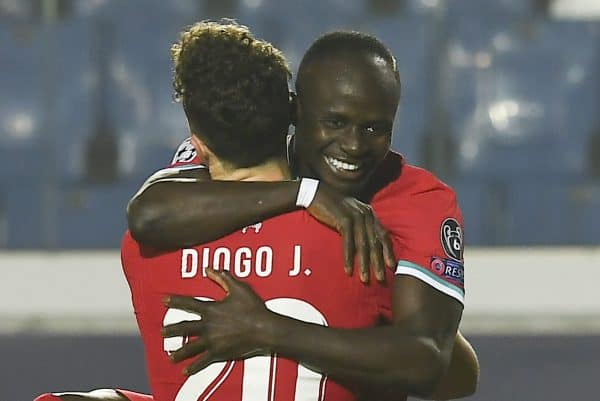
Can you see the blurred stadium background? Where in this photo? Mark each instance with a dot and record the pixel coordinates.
(501, 98)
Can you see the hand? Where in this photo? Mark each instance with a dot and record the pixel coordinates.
(229, 329)
(363, 236)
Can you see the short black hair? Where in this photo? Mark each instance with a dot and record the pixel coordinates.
(336, 42)
(234, 90)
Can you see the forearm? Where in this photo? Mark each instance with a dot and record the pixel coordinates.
(381, 360)
(169, 215)
(462, 375)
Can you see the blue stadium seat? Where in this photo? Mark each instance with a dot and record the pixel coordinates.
(23, 205)
(485, 203)
(521, 96)
(93, 216)
(584, 202)
(471, 200)
(525, 212)
(21, 118)
(518, 108)
(554, 211)
(155, 157)
(86, 217)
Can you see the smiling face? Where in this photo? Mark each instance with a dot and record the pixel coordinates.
(346, 109)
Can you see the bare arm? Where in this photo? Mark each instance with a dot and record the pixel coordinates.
(462, 376)
(409, 356)
(176, 209)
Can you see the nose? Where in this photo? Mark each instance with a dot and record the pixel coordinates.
(352, 142)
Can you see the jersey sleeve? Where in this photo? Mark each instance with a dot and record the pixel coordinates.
(133, 396)
(431, 240)
(186, 156)
(47, 397)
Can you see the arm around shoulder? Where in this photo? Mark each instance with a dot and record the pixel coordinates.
(156, 205)
(431, 318)
(462, 377)
(183, 210)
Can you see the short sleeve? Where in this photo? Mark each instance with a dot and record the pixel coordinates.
(133, 396)
(431, 241)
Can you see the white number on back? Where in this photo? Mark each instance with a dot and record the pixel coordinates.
(258, 381)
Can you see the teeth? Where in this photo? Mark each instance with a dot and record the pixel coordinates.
(342, 165)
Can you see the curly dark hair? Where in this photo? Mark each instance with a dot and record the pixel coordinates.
(234, 90)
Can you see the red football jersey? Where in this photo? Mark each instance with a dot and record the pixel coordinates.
(294, 263)
(425, 222)
(420, 212)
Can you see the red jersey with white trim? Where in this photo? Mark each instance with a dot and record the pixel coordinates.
(422, 215)
(420, 212)
(294, 263)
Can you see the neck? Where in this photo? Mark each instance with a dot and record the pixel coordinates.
(271, 170)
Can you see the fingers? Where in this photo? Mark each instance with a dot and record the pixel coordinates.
(347, 232)
(231, 285)
(220, 277)
(362, 245)
(188, 328)
(228, 282)
(199, 364)
(388, 248)
(375, 246)
(189, 350)
(188, 304)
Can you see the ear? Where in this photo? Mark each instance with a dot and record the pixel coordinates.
(202, 149)
(293, 108)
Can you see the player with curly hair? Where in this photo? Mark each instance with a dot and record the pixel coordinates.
(348, 93)
(234, 91)
(378, 362)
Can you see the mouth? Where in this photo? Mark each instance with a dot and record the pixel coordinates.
(346, 168)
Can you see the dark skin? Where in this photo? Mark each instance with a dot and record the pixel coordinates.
(165, 205)
(417, 346)
(326, 129)
(356, 129)
(241, 326)
(345, 114)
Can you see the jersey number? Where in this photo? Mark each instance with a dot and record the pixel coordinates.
(259, 379)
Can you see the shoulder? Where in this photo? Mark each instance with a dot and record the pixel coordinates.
(130, 252)
(297, 227)
(185, 155)
(300, 223)
(415, 186)
(127, 243)
(133, 253)
(423, 185)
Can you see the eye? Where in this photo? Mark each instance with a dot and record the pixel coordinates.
(332, 123)
(377, 129)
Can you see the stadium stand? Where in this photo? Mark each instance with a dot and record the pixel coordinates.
(514, 133)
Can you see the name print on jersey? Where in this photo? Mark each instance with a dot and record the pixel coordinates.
(240, 262)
